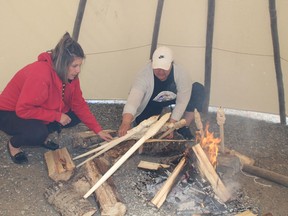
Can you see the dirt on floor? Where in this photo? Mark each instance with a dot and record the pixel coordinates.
(22, 186)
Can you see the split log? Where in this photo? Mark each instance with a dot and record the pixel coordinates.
(151, 166)
(161, 195)
(266, 174)
(67, 200)
(106, 195)
(151, 132)
(60, 165)
(208, 171)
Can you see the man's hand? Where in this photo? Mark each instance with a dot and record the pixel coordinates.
(125, 125)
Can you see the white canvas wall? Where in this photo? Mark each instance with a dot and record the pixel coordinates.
(116, 37)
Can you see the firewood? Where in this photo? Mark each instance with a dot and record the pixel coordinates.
(67, 201)
(151, 165)
(113, 143)
(151, 132)
(161, 195)
(246, 213)
(106, 195)
(243, 158)
(172, 127)
(60, 165)
(208, 171)
(266, 174)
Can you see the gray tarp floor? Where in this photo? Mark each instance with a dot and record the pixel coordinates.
(22, 186)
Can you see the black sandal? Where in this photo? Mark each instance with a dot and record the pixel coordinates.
(50, 145)
(19, 158)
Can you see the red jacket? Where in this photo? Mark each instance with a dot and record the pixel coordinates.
(35, 92)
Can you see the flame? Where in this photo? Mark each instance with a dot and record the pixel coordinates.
(209, 144)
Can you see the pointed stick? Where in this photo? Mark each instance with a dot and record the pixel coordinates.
(151, 132)
(143, 124)
(220, 121)
(174, 126)
(198, 123)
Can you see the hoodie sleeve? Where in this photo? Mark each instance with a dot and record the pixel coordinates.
(80, 107)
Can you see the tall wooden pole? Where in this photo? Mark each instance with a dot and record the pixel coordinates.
(78, 20)
(156, 27)
(277, 60)
(208, 53)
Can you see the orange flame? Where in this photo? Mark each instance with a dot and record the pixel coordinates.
(209, 144)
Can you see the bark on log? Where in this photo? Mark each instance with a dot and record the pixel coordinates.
(106, 195)
(266, 174)
(67, 200)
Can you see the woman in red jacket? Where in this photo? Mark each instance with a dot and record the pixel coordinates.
(43, 97)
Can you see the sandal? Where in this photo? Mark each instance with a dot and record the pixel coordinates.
(19, 158)
(50, 145)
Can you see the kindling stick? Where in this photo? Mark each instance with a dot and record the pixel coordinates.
(150, 132)
(113, 143)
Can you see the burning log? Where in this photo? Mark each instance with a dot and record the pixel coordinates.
(106, 194)
(220, 121)
(161, 195)
(266, 174)
(150, 132)
(60, 165)
(208, 171)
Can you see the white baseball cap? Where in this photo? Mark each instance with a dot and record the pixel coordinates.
(162, 58)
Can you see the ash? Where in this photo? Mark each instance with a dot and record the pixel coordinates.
(191, 194)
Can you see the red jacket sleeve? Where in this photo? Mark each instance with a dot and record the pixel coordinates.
(80, 107)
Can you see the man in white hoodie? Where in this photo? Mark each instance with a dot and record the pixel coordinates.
(159, 84)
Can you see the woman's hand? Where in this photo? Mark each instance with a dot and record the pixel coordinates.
(105, 136)
(65, 119)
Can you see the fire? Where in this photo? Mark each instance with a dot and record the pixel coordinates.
(209, 144)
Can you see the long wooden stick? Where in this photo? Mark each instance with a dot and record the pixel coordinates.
(111, 144)
(161, 195)
(151, 132)
(220, 121)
